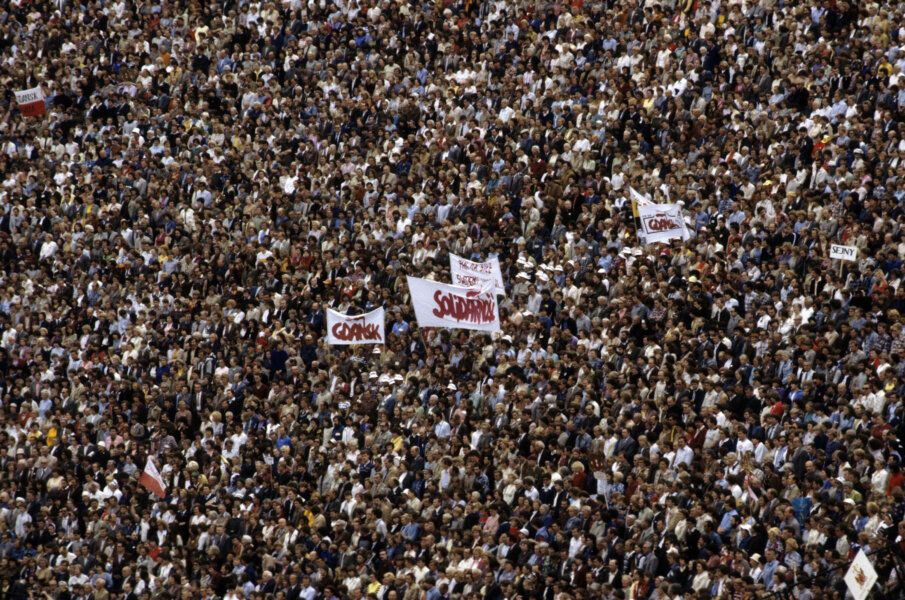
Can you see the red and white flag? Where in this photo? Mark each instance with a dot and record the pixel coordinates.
(31, 102)
(752, 497)
(152, 480)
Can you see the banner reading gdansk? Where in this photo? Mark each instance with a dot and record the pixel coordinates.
(345, 330)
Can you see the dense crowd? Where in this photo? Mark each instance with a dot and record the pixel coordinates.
(717, 418)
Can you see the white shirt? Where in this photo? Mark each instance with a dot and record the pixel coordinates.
(684, 455)
(744, 447)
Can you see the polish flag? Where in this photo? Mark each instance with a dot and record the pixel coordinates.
(152, 480)
(31, 102)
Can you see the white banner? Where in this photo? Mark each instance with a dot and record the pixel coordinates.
(473, 274)
(453, 307)
(844, 252)
(345, 330)
(662, 222)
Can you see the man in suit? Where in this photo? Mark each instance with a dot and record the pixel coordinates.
(648, 561)
(295, 588)
(221, 540)
(579, 575)
(544, 456)
(626, 445)
(612, 575)
(268, 584)
(564, 566)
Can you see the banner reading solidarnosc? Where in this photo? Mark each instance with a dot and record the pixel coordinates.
(453, 307)
(662, 222)
(345, 330)
(31, 102)
(467, 273)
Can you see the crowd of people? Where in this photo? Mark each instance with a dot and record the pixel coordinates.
(713, 418)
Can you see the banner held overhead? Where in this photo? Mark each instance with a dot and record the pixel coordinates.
(346, 330)
(453, 307)
(468, 273)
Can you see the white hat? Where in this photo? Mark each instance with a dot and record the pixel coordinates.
(373, 375)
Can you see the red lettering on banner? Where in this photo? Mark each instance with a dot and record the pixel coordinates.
(356, 332)
(470, 309)
(485, 268)
(659, 223)
(466, 280)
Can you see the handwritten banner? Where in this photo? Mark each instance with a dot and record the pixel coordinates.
(662, 222)
(345, 330)
(471, 274)
(453, 307)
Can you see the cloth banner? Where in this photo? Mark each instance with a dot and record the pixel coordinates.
(453, 307)
(31, 102)
(471, 274)
(637, 200)
(662, 222)
(346, 330)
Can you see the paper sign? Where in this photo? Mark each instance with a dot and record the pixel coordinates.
(844, 252)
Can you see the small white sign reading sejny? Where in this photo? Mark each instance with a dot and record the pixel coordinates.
(844, 252)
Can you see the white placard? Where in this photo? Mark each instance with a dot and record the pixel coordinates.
(453, 307)
(861, 576)
(345, 330)
(471, 274)
(662, 222)
(844, 252)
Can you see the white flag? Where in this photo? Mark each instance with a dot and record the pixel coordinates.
(638, 198)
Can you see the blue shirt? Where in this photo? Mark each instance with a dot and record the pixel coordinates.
(769, 571)
(410, 531)
(726, 521)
